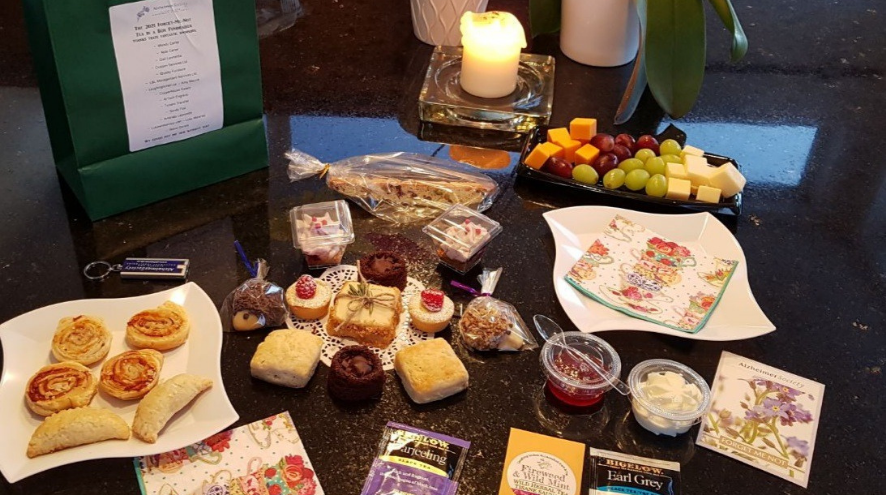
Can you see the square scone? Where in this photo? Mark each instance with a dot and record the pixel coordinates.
(430, 371)
(287, 357)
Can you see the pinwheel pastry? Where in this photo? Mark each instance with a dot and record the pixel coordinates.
(132, 374)
(73, 427)
(83, 339)
(60, 386)
(161, 403)
(162, 328)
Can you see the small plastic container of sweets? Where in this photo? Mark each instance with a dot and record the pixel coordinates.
(667, 397)
(572, 382)
(461, 236)
(322, 231)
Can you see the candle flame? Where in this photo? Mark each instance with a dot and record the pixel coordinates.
(493, 31)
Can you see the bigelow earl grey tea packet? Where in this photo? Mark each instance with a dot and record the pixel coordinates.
(613, 472)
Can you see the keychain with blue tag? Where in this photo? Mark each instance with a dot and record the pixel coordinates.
(140, 268)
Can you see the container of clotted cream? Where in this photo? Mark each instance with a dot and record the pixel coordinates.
(667, 397)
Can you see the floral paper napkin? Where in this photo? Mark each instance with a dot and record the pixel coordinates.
(632, 269)
(763, 417)
(261, 458)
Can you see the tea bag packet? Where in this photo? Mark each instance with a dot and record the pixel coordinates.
(256, 303)
(489, 324)
(412, 461)
(399, 187)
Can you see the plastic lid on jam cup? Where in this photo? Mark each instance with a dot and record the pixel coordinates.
(638, 393)
(318, 225)
(445, 230)
(588, 344)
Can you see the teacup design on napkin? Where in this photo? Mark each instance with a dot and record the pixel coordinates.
(643, 274)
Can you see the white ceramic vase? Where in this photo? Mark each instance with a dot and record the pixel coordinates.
(602, 33)
(436, 22)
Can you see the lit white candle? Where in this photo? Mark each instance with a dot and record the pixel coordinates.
(492, 42)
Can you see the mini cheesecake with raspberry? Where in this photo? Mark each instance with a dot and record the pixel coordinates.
(431, 310)
(308, 298)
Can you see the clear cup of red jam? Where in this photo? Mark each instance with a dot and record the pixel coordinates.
(571, 382)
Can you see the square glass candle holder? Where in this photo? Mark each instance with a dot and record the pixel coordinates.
(443, 101)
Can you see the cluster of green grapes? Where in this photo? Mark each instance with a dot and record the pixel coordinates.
(644, 170)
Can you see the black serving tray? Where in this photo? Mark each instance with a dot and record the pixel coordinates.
(732, 206)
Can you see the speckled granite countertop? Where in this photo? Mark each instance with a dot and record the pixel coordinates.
(802, 113)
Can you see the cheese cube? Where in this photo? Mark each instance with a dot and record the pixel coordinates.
(558, 135)
(586, 155)
(708, 194)
(569, 149)
(541, 153)
(698, 170)
(676, 171)
(691, 150)
(583, 129)
(728, 179)
(678, 189)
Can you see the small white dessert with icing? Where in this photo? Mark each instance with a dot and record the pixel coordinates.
(464, 240)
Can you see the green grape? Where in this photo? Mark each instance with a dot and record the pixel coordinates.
(672, 158)
(657, 186)
(636, 179)
(655, 166)
(585, 174)
(644, 154)
(670, 147)
(614, 179)
(630, 164)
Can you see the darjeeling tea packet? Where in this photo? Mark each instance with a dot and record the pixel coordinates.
(412, 461)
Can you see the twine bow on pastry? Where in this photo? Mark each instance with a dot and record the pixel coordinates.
(361, 297)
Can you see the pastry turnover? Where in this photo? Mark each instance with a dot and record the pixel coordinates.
(132, 374)
(163, 401)
(83, 339)
(73, 427)
(60, 386)
(162, 328)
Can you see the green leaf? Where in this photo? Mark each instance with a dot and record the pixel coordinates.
(637, 83)
(544, 16)
(730, 20)
(675, 53)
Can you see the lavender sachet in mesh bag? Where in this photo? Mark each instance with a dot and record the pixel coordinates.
(412, 461)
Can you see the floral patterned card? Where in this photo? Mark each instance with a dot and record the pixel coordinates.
(764, 417)
(261, 458)
(632, 269)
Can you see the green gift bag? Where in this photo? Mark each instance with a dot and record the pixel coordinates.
(149, 99)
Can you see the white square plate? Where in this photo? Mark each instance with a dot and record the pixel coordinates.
(736, 317)
(27, 342)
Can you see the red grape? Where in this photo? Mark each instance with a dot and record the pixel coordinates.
(622, 152)
(627, 141)
(603, 142)
(559, 167)
(648, 142)
(605, 163)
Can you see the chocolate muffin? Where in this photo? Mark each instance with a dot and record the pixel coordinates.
(384, 268)
(356, 374)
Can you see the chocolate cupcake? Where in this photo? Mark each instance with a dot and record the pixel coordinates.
(384, 268)
(356, 374)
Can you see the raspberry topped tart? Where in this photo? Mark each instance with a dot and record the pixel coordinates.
(308, 298)
(431, 310)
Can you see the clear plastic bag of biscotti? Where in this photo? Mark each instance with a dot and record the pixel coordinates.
(490, 324)
(400, 187)
(256, 303)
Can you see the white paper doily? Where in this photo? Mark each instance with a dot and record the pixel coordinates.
(407, 335)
